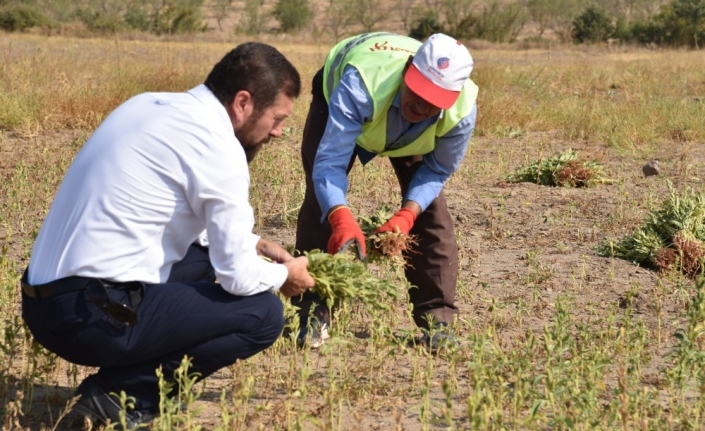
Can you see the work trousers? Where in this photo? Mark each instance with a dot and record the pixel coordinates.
(432, 267)
(189, 315)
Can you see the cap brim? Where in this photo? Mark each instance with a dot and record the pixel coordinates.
(429, 91)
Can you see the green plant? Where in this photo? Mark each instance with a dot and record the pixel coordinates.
(293, 15)
(138, 19)
(593, 25)
(21, 17)
(692, 12)
(177, 394)
(221, 10)
(560, 170)
(540, 12)
(386, 247)
(670, 237)
(678, 23)
(253, 18)
(497, 22)
(687, 358)
(179, 16)
(340, 15)
(425, 25)
(340, 277)
(100, 21)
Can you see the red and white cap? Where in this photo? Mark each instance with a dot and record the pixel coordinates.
(439, 70)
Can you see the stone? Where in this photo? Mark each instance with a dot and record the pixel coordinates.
(651, 168)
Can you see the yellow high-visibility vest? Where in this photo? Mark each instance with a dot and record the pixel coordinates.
(380, 58)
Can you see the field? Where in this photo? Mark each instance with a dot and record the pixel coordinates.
(552, 335)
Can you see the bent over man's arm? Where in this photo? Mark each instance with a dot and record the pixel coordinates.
(441, 163)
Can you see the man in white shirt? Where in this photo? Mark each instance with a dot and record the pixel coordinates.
(118, 278)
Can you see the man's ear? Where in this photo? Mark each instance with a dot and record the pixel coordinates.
(242, 107)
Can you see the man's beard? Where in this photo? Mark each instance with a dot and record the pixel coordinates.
(248, 142)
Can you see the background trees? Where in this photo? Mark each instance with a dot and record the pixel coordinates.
(653, 22)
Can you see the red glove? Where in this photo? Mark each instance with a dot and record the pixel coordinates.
(345, 232)
(401, 222)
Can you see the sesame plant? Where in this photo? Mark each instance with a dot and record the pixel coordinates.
(561, 170)
(671, 237)
(341, 276)
(385, 247)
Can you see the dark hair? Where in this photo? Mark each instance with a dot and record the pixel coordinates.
(257, 68)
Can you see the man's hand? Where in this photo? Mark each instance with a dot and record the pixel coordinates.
(402, 221)
(345, 231)
(273, 251)
(299, 280)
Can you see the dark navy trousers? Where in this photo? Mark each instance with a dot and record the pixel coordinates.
(189, 315)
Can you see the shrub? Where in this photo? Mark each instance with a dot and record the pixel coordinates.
(138, 19)
(621, 29)
(253, 17)
(593, 25)
(100, 22)
(645, 32)
(679, 23)
(21, 18)
(293, 15)
(496, 23)
(180, 16)
(425, 26)
(187, 21)
(692, 14)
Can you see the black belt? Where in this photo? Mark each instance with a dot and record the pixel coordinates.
(97, 291)
(56, 287)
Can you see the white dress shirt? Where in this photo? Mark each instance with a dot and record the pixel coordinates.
(158, 172)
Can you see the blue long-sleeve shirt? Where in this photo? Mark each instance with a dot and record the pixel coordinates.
(350, 106)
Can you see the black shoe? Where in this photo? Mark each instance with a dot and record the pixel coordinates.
(101, 407)
(439, 337)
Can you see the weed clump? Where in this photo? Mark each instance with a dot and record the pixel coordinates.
(387, 247)
(340, 276)
(672, 237)
(562, 170)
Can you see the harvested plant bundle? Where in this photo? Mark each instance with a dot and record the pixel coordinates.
(670, 237)
(341, 276)
(387, 246)
(561, 170)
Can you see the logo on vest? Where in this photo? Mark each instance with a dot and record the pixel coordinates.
(443, 63)
(385, 47)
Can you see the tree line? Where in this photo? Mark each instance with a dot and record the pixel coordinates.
(648, 22)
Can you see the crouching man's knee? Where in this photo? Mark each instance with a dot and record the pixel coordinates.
(272, 322)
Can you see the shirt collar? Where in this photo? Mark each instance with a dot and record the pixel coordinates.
(397, 99)
(206, 96)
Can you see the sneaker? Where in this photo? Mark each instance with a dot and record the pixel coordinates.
(438, 338)
(99, 406)
(318, 333)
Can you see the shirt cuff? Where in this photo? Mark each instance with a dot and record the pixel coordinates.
(280, 274)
